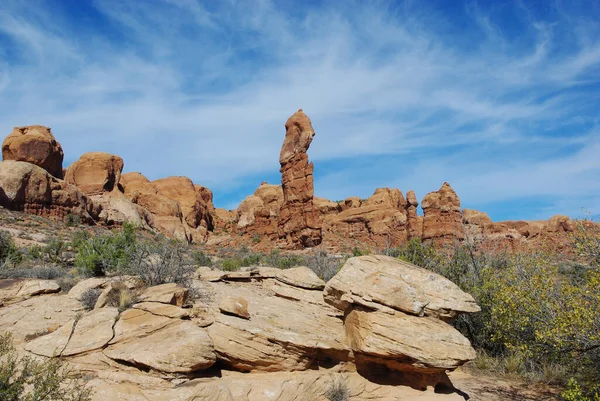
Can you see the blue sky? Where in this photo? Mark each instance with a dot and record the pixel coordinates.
(501, 99)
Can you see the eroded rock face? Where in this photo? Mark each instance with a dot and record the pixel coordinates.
(380, 220)
(95, 173)
(407, 343)
(181, 347)
(299, 221)
(195, 211)
(442, 220)
(31, 189)
(34, 144)
(380, 282)
(258, 213)
(167, 217)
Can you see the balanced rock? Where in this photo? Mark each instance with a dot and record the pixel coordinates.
(299, 221)
(34, 144)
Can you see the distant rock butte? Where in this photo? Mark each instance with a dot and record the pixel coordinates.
(285, 216)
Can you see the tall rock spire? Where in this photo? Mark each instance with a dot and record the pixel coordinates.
(299, 221)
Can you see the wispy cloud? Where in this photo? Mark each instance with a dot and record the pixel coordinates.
(411, 93)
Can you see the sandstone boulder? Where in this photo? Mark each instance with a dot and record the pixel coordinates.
(36, 287)
(257, 214)
(377, 282)
(181, 347)
(235, 306)
(170, 293)
(280, 336)
(31, 189)
(302, 277)
(406, 343)
(34, 144)
(92, 331)
(95, 173)
(195, 211)
(299, 222)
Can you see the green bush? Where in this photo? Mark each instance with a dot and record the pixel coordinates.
(201, 259)
(8, 250)
(160, 261)
(24, 379)
(538, 318)
(72, 220)
(101, 254)
(54, 249)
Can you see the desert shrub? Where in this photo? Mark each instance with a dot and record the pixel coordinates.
(539, 316)
(161, 261)
(360, 252)
(34, 252)
(90, 297)
(101, 254)
(256, 238)
(201, 259)
(8, 250)
(25, 379)
(324, 265)
(283, 261)
(72, 220)
(242, 258)
(338, 389)
(230, 264)
(121, 297)
(54, 249)
(78, 238)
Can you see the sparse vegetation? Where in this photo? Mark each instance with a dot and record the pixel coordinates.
(106, 253)
(539, 320)
(90, 297)
(338, 389)
(161, 261)
(72, 220)
(25, 379)
(201, 259)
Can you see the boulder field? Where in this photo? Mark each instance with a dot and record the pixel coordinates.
(380, 326)
(286, 216)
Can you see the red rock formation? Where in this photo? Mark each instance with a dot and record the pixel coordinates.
(195, 210)
(414, 226)
(34, 144)
(299, 221)
(98, 175)
(258, 213)
(31, 189)
(167, 215)
(95, 173)
(442, 220)
(379, 222)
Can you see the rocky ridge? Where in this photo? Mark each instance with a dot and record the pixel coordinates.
(286, 216)
(264, 322)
